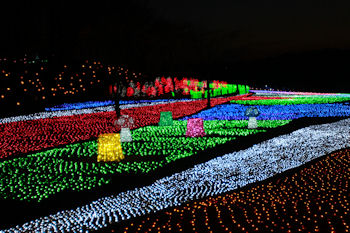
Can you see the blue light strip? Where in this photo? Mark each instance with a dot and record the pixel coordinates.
(94, 104)
(274, 112)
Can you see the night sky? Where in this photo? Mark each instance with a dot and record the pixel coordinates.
(203, 37)
(267, 26)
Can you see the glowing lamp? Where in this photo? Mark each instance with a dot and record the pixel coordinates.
(125, 122)
(195, 128)
(252, 113)
(166, 119)
(109, 148)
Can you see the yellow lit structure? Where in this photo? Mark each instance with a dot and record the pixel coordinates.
(109, 148)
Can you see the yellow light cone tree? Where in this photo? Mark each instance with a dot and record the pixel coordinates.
(109, 148)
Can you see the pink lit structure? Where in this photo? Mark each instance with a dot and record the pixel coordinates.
(195, 128)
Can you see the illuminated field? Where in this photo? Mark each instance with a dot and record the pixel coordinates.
(75, 167)
(29, 134)
(311, 199)
(166, 181)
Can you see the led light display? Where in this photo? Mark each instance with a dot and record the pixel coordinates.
(316, 196)
(217, 90)
(274, 112)
(83, 110)
(214, 177)
(40, 175)
(153, 147)
(195, 128)
(166, 119)
(125, 135)
(43, 115)
(94, 104)
(28, 136)
(289, 93)
(296, 100)
(252, 123)
(252, 113)
(109, 148)
(125, 122)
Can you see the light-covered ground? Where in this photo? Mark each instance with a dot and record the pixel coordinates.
(216, 176)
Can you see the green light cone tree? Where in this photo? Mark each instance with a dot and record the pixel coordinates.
(166, 119)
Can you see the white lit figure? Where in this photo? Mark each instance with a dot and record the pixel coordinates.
(125, 123)
(252, 123)
(252, 113)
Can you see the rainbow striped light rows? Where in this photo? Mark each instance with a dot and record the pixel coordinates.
(214, 177)
(44, 174)
(33, 135)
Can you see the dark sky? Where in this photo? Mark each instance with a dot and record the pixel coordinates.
(261, 27)
(175, 36)
(268, 26)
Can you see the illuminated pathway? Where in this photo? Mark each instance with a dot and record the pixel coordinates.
(216, 176)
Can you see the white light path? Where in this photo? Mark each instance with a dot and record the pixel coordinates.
(216, 176)
(153, 103)
(43, 115)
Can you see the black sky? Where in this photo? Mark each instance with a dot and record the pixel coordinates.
(160, 36)
(268, 26)
(264, 26)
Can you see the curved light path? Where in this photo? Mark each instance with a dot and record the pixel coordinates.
(216, 176)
